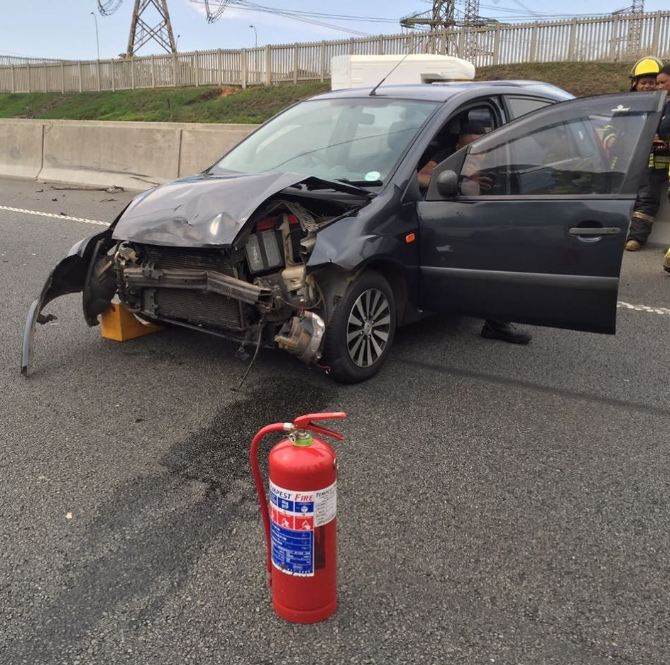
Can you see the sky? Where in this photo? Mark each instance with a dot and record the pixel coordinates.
(66, 29)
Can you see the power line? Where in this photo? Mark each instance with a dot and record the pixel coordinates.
(216, 8)
(530, 11)
(108, 7)
(249, 6)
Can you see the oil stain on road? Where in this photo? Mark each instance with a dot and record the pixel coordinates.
(140, 548)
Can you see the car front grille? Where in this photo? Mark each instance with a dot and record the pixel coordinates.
(189, 305)
(174, 257)
(209, 309)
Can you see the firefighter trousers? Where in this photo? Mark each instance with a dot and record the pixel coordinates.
(647, 204)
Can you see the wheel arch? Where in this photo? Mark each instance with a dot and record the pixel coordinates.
(394, 274)
(334, 281)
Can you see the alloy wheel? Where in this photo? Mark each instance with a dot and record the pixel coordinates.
(368, 328)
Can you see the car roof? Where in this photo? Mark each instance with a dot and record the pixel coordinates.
(441, 92)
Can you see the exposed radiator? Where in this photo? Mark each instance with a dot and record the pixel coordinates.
(174, 257)
(197, 307)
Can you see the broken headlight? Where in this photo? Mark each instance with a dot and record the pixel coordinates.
(263, 251)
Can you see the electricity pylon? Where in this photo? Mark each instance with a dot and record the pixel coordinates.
(470, 21)
(635, 27)
(442, 17)
(141, 31)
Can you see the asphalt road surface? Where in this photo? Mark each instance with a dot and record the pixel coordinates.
(496, 503)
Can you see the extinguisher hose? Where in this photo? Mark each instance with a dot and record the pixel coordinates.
(258, 479)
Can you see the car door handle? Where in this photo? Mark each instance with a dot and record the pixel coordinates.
(594, 231)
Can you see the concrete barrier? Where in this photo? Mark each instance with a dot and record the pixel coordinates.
(202, 145)
(21, 147)
(136, 155)
(133, 155)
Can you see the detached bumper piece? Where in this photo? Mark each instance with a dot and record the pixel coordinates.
(71, 275)
(119, 324)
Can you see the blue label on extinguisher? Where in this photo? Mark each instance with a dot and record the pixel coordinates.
(292, 551)
(293, 517)
(292, 530)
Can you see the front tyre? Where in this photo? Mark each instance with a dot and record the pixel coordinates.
(361, 332)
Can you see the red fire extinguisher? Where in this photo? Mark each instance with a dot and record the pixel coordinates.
(299, 519)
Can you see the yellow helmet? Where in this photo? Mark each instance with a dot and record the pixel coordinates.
(647, 66)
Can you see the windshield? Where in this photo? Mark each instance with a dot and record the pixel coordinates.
(356, 140)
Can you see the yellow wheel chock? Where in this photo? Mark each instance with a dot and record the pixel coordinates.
(119, 324)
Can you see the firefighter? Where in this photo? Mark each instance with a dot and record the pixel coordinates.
(663, 83)
(643, 79)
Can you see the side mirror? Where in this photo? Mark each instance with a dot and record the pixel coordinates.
(447, 184)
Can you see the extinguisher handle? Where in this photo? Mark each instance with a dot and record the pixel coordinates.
(305, 422)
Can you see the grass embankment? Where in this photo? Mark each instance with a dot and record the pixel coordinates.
(254, 105)
(203, 104)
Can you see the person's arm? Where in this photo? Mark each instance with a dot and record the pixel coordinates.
(425, 174)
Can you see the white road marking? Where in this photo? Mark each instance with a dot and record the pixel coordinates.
(665, 311)
(54, 215)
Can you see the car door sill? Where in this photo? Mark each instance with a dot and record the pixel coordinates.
(590, 282)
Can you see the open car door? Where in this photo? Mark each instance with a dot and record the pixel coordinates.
(528, 223)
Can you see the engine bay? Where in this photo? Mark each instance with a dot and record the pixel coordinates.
(257, 289)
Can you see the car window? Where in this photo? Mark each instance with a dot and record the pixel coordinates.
(358, 139)
(575, 156)
(366, 138)
(462, 128)
(519, 106)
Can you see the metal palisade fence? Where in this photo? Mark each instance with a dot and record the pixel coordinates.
(611, 38)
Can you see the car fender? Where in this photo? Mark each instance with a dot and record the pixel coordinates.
(376, 232)
(335, 264)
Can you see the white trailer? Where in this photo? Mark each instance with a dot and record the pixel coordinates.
(365, 71)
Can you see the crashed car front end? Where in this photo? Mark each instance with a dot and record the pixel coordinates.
(222, 255)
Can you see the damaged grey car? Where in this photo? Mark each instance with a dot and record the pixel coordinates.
(314, 235)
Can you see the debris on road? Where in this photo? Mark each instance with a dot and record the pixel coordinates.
(112, 189)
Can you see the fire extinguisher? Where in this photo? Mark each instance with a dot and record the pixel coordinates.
(299, 520)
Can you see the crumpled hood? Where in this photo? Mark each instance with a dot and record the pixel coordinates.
(203, 210)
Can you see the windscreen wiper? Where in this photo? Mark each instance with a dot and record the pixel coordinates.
(361, 183)
(341, 185)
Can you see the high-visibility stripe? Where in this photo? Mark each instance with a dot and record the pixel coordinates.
(643, 217)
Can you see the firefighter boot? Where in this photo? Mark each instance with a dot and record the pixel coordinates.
(666, 261)
(633, 245)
